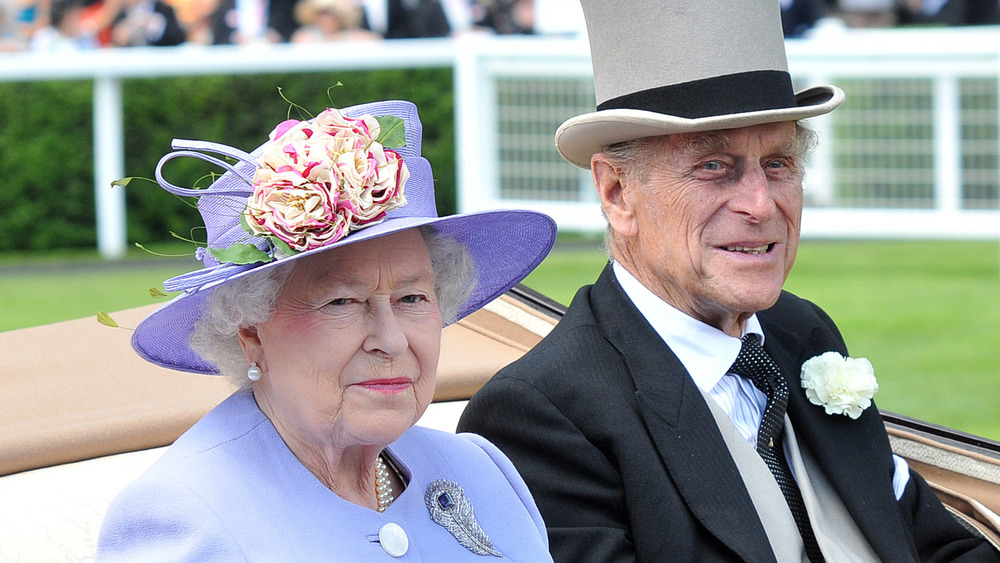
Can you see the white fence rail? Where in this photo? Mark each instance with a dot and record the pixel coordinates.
(914, 152)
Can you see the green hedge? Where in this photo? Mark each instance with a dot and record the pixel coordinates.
(46, 143)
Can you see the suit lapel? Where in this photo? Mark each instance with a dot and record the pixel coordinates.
(841, 446)
(681, 426)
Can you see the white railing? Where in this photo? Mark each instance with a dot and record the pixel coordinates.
(913, 153)
(108, 67)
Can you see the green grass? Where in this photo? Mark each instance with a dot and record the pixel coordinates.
(926, 313)
(42, 290)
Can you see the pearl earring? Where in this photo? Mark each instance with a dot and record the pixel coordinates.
(253, 372)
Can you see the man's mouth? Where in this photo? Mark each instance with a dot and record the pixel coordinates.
(762, 249)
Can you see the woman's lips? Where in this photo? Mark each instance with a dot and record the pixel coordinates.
(389, 385)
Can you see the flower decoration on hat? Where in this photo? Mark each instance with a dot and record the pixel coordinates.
(840, 385)
(317, 181)
(315, 186)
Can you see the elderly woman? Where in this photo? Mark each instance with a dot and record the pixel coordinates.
(328, 279)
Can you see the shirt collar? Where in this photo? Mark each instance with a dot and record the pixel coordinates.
(705, 351)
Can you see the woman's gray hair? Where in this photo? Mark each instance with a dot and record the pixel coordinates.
(250, 301)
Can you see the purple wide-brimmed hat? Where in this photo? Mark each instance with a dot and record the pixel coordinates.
(266, 210)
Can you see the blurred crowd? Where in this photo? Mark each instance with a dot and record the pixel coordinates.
(54, 25)
(799, 17)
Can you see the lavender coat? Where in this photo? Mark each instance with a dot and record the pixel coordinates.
(230, 490)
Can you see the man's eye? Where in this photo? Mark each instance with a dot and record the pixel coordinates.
(712, 165)
(340, 301)
(776, 163)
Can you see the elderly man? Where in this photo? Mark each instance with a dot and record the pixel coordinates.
(664, 418)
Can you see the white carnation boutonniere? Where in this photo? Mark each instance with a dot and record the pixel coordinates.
(838, 384)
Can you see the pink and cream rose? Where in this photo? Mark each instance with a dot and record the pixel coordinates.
(318, 181)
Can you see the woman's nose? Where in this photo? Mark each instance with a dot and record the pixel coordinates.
(385, 333)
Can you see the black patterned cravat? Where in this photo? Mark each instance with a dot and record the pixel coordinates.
(754, 364)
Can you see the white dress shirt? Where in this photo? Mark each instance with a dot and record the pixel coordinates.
(707, 353)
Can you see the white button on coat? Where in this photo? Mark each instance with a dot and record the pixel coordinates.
(393, 539)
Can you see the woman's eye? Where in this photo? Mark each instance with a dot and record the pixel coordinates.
(339, 301)
(413, 298)
(776, 163)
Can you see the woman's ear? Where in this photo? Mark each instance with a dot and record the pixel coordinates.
(251, 344)
(611, 190)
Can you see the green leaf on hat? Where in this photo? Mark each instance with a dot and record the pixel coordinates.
(122, 182)
(245, 225)
(240, 254)
(106, 320)
(156, 292)
(393, 131)
(282, 246)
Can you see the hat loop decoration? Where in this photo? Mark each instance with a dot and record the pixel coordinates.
(313, 183)
(346, 176)
(185, 147)
(695, 66)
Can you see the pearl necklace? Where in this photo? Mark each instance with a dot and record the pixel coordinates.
(383, 487)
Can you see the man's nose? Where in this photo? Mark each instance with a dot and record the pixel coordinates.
(754, 198)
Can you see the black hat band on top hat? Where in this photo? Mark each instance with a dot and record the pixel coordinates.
(729, 94)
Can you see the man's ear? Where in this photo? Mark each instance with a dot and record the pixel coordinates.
(611, 189)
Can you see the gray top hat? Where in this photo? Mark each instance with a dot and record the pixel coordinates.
(678, 66)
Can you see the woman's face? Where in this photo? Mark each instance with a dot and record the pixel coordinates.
(350, 356)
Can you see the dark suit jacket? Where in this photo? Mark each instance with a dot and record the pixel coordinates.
(626, 463)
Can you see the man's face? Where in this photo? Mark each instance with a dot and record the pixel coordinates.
(713, 227)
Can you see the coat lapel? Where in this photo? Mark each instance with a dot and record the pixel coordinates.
(841, 446)
(681, 426)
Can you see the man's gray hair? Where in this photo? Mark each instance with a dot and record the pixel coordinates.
(634, 158)
(250, 301)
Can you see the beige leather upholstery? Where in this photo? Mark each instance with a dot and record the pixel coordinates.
(83, 415)
(76, 397)
(76, 390)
